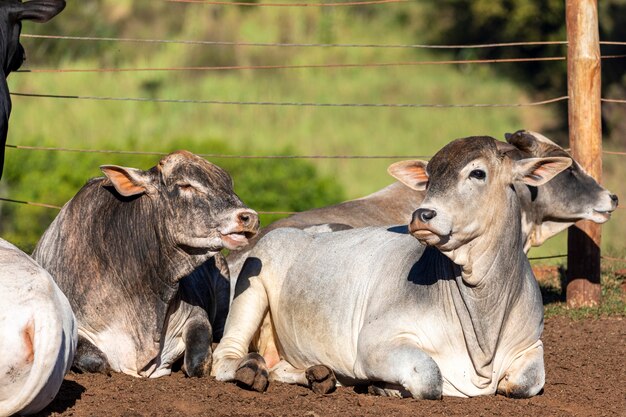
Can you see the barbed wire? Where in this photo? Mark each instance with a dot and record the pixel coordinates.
(303, 66)
(216, 156)
(613, 43)
(55, 207)
(225, 156)
(613, 100)
(292, 45)
(253, 4)
(297, 104)
(29, 203)
(536, 258)
(52, 206)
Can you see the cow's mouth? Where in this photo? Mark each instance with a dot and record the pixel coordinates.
(601, 216)
(425, 235)
(236, 240)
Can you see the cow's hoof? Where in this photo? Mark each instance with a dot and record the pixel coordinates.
(252, 373)
(321, 379)
(88, 358)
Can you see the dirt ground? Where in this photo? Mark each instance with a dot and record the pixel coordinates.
(585, 366)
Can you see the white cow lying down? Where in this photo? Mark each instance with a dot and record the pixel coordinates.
(37, 334)
(456, 311)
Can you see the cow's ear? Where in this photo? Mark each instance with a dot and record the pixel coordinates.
(411, 173)
(38, 10)
(522, 140)
(538, 171)
(127, 181)
(504, 147)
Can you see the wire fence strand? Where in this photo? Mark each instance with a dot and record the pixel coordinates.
(56, 207)
(225, 156)
(252, 4)
(28, 203)
(613, 100)
(297, 104)
(217, 156)
(304, 44)
(292, 45)
(304, 66)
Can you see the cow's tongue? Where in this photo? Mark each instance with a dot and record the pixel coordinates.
(234, 240)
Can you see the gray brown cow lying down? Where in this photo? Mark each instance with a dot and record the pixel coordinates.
(120, 249)
(573, 195)
(37, 334)
(450, 307)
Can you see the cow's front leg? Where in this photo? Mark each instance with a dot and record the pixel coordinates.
(319, 378)
(231, 358)
(526, 375)
(197, 336)
(398, 367)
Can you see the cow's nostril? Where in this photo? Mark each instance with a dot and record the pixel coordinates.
(247, 218)
(426, 214)
(614, 198)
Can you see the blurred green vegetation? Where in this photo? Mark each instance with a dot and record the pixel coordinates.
(498, 21)
(266, 185)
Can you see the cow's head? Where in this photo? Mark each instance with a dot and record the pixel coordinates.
(12, 12)
(469, 190)
(572, 195)
(195, 205)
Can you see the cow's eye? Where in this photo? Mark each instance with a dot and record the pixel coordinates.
(479, 174)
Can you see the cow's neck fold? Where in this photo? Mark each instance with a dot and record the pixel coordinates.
(491, 279)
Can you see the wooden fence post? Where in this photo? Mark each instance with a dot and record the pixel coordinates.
(585, 138)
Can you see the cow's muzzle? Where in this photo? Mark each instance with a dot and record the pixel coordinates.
(244, 225)
(419, 227)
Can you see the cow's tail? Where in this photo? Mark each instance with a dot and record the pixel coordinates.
(50, 338)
